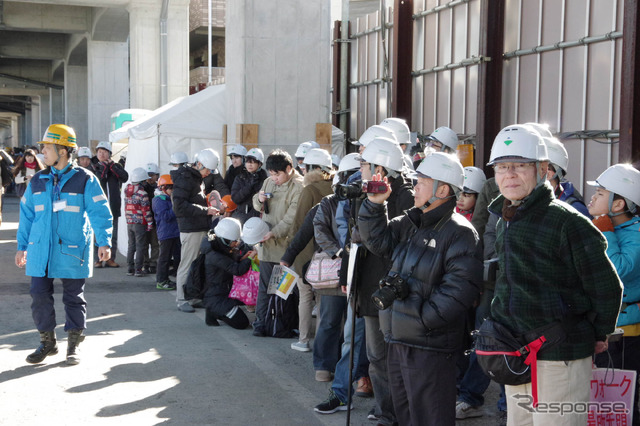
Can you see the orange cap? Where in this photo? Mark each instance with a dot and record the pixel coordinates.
(231, 206)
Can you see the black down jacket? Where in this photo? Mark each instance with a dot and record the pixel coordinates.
(371, 267)
(189, 201)
(244, 187)
(438, 254)
(220, 267)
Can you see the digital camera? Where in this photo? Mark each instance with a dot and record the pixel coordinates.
(392, 287)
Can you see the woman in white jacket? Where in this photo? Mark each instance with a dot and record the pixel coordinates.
(27, 166)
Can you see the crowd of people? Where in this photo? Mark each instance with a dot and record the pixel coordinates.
(419, 249)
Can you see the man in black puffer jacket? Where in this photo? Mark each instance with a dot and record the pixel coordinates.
(192, 213)
(436, 253)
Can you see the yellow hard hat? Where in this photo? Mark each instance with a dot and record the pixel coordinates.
(60, 134)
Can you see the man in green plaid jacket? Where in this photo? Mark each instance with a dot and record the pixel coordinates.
(552, 268)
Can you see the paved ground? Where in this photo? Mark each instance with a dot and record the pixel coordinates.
(146, 363)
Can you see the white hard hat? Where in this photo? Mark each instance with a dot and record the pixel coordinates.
(104, 145)
(237, 150)
(304, 147)
(447, 137)
(83, 151)
(384, 152)
(373, 132)
(442, 167)
(208, 158)
(558, 155)
(139, 175)
(335, 160)
(318, 157)
(542, 129)
(254, 230)
(179, 157)
(621, 179)
(349, 162)
(255, 153)
(474, 180)
(518, 142)
(399, 128)
(229, 229)
(152, 168)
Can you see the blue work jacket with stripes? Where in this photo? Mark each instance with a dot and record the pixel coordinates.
(59, 243)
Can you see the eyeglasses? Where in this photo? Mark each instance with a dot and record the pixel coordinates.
(502, 168)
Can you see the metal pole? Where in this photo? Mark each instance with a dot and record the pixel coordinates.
(209, 53)
(344, 64)
(163, 53)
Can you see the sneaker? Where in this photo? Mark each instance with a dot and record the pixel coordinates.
(166, 285)
(365, 388)
(372, 414)
(466, 411)
(301, 346)
(331, 405)
(324, 376)
(140, 273)
(131, 271)
(186, 307)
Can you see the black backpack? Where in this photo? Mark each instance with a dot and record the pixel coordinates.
(282, 316)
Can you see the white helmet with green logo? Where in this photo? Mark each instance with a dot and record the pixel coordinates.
(518, 143)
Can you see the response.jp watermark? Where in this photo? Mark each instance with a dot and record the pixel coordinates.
(562, 408)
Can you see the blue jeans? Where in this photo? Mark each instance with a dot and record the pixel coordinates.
(326, 345)
(475, 383)
(42, 309)
(341, 383)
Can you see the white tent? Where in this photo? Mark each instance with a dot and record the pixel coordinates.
(188, 124)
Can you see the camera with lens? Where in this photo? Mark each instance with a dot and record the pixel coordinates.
(392, 287)
(355, 190)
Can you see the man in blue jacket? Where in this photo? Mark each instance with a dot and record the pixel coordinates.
(59, 212)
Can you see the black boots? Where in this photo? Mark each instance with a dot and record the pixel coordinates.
(75, 337)
(48, 346)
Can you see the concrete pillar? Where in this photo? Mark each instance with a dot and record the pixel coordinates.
(277, 69)
(108, 85)
(76, 101)
(56, 107)
(45, 110)
(144, 44)
(36, 131)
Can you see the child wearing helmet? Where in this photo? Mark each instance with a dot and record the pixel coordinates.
(168, 233)
(614, 207)
(225, 257)
(139, 221)
(474, 180)
(247, 184)
(236, 155)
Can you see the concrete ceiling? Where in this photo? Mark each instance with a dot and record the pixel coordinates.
(37, 37)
